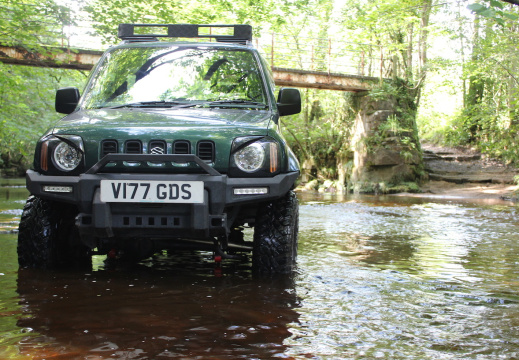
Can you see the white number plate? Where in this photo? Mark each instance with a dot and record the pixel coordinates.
(152, 191)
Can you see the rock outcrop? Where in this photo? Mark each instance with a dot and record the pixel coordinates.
(465, 165)
(386, 148)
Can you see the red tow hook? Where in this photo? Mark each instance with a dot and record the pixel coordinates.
(218, 265)
(112, 254)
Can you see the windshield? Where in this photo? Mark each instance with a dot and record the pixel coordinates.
(176, 76)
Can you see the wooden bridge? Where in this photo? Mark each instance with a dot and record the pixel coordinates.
(310, 63)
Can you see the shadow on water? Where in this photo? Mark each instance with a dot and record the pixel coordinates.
(167, 308)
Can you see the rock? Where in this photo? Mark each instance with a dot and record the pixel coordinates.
(382, 155)
(465, 165)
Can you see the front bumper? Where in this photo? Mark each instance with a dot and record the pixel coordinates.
(202, 220)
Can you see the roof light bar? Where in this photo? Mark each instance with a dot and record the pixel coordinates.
(222, 33)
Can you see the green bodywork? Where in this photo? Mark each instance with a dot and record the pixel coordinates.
(194, 120)
(217, 125)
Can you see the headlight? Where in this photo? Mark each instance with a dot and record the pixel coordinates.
(67, 157)
(258, 156)
(250, 158)
(60, 153)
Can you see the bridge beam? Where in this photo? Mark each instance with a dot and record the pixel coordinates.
(322, 80)
(80, 59)
(55, 57)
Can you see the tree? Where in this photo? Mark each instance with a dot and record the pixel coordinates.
(26, 93)
(108, 13)
(488, 59)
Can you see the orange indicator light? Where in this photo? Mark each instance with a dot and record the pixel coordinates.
(44, 157)
(273, 157)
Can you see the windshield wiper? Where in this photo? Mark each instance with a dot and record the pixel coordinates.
(237, 102)
(164, 103)
(180, 105)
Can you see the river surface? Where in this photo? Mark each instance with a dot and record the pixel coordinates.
(378, 277)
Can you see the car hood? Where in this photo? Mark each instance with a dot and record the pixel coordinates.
(113, 123)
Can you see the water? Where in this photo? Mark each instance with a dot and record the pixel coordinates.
(378, 277)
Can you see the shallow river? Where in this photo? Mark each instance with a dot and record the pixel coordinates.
(378, 277)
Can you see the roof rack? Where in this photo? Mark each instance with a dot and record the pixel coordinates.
(237, 34)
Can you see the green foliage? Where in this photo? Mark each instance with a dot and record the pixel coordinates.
(503, 145)
(322, 131)
(382, 188)
(27, 109)
(383, 91)
(27, 94)
(401, 28)
(495, 10)
(400, 128)
(268, 14)
(489, 83)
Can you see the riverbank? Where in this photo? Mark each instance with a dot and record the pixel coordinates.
(463, 172)
(444, 189)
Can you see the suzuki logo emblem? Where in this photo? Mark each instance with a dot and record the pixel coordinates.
(157, 150)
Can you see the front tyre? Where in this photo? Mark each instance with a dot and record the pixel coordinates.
(275, 236)
(47, 237)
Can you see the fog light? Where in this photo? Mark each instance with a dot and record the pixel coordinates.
(57, 188)
(251, 191)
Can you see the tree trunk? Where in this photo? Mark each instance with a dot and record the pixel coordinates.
(409, 65)
(422, 48)
(476, 84)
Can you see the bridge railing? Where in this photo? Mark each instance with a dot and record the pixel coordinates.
(323, 55)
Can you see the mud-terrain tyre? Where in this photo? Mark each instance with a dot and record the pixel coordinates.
(47, 236)
(275, 236)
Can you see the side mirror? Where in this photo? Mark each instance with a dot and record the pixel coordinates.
(289, 101)
(67, 100)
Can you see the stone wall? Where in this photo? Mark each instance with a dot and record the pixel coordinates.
(385, 144)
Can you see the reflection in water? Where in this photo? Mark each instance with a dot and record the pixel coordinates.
(378, 277)
(174, 311)
(12, 199)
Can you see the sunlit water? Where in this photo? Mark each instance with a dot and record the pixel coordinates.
(378, 277)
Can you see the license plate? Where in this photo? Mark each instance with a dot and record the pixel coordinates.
(152, 191)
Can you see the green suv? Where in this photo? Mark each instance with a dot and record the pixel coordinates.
(172, 145)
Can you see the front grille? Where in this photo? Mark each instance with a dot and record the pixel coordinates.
(157, 147)
(108, 147)
(133, 147)
(181, 147)
(205, 150)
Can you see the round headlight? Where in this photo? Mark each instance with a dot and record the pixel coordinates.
(250, 158)
(66, 157)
